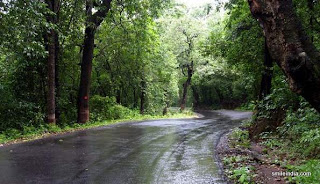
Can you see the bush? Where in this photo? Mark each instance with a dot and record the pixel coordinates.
(16, 115)
(240, 137)
(106, 108)
(302, 129)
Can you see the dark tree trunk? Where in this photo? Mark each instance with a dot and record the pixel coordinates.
(118, 98)
(263, 124)
(290, 47)
(53, 5)
(165, 109)
(135, 98)
(186, 86)
(86, 69)
(220, 96)
(265, 88)
(143, 96)
(57, 81)
(92, 23)
(196, 97)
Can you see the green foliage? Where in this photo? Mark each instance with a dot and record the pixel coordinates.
(302, 129)
(281, 98)
(127, 51)
(12, 133)
(106, 108)
(19, 114)
(237, 38)
(237, 170)
(233, 159)
(249, 106)
(311, 141)
(271, 142)
(242, 175)
(311, 166)
(240, 138)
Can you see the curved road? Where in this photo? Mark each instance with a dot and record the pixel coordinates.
(161, 151)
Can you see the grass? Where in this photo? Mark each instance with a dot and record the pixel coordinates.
(12, 136)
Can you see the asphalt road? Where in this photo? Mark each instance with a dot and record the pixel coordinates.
(162, 151)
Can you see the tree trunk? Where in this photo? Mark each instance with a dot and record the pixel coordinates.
(196, 97)
(185, 87)
(118, 98)
(51, 81)
(166, 101)
(57, 81)
(92, 23)
(265, 88)
(86, 69)
(51, 64)
(143, 96)
(290, 47)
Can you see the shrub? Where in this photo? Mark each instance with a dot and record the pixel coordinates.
(240, 137)
(302, 129)
(106, 108)
(19, 114)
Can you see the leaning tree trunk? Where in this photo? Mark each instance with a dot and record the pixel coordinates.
(93, 22)
(265, 88)
(53, 5)
(290, 47)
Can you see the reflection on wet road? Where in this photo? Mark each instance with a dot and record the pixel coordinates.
(162, 151)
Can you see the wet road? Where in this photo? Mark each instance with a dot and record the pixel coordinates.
(162, 151)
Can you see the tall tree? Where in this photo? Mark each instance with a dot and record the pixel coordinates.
(53, 42)
(92, 23)
(188, 66)
(290, 47)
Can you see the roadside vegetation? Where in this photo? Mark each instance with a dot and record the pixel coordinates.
(283, 134)
(123, 115)
(292, 147)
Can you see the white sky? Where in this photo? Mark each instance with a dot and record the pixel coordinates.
(193, 3)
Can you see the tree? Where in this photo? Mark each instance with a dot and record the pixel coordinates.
(92, 23)
(290, 47)
(188, 66)
(52, 46)
(266, 80)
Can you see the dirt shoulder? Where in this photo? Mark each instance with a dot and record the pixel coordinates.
(247, 164)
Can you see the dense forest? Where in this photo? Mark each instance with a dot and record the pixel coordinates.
(65, 63)
(61, 58)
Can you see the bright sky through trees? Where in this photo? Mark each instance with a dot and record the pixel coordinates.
(195, 3)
